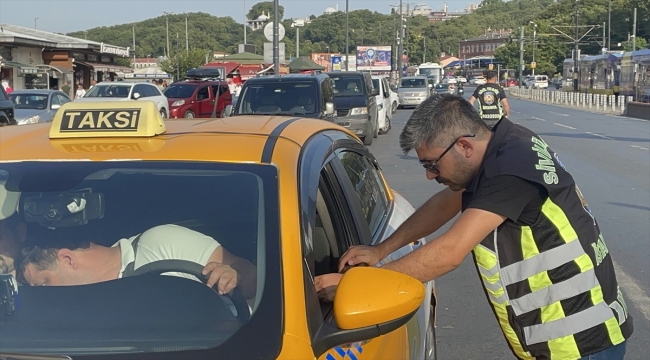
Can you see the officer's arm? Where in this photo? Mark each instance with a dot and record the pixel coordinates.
(432, 215)
(472, 99)
(447, 252)
(506, 107)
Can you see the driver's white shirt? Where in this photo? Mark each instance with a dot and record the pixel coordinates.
(168, 242)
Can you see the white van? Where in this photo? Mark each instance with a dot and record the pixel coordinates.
(537, 82)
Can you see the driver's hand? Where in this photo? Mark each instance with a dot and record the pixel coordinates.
(223, 275)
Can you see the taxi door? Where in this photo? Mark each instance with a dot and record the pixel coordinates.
(346, 204)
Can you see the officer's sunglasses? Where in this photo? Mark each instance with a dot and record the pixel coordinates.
(432, 165)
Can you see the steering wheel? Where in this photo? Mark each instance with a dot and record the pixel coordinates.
(191, 268)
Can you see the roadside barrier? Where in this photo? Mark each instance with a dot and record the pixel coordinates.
(599, 102)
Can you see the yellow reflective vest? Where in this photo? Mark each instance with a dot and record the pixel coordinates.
(551, 284)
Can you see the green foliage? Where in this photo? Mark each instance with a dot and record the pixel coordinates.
(182, 61)
(265, 7)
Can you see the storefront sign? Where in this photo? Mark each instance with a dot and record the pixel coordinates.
(115, 50)
(92, 57)
(106, 59)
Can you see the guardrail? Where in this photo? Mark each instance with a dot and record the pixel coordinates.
(599, 102)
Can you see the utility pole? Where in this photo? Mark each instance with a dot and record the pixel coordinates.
(424, 54)
(35, 22)
(276, 38)
(133, 45)
(400, 45)
(576, 51)
(187, 38)
(609, 27)
(604, 39)
(534, 45)
(634, 32)
(245, 24)
(167, 25)
(521, 56)
(178, 59)
(347, 34)
(380, 33)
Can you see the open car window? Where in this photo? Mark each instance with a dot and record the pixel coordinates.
(67, 204)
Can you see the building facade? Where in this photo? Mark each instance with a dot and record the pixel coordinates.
(484, 45)
(444, 14)
(36, 59)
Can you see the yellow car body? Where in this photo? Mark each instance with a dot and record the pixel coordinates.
(377, 314)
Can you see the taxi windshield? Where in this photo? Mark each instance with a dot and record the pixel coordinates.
(29, 101)
(169, 218)
(112, 91)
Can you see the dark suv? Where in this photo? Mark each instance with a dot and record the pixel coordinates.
(304, 95)
(356, 105)
(6, 109)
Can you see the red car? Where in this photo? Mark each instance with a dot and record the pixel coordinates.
(509, 82)
(195, 98)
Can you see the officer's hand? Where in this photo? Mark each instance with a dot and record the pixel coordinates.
(355, 255)
(223, 275)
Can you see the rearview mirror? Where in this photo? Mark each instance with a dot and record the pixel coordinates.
(55, 106)
(135, 96)
(370, 302)
(374, 92)
(227, 111)
(329, 108)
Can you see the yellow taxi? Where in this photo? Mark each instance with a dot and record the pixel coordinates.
(287, 195)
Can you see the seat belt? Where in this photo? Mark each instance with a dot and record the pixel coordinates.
(128, 270)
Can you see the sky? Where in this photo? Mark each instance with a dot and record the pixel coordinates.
(64, 16)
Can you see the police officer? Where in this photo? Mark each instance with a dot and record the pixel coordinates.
(538, 250)
(492, 102)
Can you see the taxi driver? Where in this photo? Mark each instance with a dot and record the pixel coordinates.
(92, 263)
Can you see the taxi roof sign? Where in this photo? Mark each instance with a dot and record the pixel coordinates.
(107, 119)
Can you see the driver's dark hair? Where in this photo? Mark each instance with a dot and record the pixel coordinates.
(43, 258)
(440, 119)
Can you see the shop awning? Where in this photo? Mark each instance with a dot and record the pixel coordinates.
(24, 68)
(104, 67)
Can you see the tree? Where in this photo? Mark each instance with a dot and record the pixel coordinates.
(181, 61)
(265, 7)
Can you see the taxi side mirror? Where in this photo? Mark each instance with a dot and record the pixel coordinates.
(370, 302)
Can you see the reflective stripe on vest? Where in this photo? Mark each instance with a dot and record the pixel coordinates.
(556, 329)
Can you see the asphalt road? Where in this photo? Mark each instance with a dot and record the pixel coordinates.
(609, 157)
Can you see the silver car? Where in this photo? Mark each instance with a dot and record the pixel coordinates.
(36, 106)
(413, 90)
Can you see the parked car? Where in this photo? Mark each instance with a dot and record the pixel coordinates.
(194, 98)
(356, 103)
(537, 82)
(509, 82)
(413, 90)
(478, 80)
(34, 106)
(286, 196)
(6, 109)
(302, 95)
(123, 91)
(461, 79)
(384, 101)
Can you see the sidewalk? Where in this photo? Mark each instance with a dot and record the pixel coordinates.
(594, 103)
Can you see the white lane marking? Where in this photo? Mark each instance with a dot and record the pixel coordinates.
(600, 136)
(536, 118)
(566, 126)
(633, 291)
(639, 147)
(553, 112)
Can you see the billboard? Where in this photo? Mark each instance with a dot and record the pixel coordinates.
(337, 63)
(323, 59)
(377, 58)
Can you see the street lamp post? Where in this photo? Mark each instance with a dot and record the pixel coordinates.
(35, 22)
(298, 23)
(245, 24)
(187, 38)
(167, 25)
(347, 33)
(400, 45)
(276, 37)
(534, 45)
(133, 45)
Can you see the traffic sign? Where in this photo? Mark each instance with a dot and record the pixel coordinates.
(533, 65)
(268, 31)
(491, 66)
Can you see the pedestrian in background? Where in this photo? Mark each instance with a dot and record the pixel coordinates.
(80, 92)
(5, 85)
(66, 88)
(538, 250)
(492, 102)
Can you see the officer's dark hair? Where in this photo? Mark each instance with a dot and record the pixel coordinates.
(491, 75)
(43, 258)
(439, 120)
